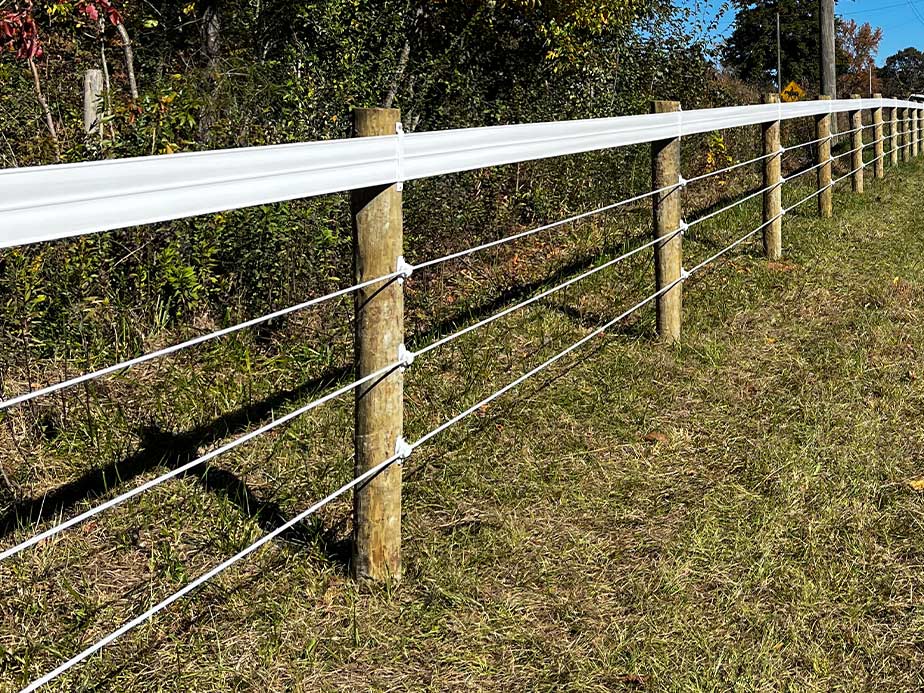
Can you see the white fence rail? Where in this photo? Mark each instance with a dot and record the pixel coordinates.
(50, 202)
(55, 202)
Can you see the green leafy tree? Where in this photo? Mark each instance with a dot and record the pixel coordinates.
(750, 51)
(903, 73)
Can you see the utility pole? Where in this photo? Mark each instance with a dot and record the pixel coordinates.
(779, 62)
(826, 22)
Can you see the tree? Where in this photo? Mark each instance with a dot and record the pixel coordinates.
(857, 46)
(903, 73)
(19, 34)
(750, 52)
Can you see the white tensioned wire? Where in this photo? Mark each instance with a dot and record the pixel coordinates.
(720, 171)
(92, 375)
(205, 577)
(343, 390)
(805, 199)
(545, 227)
(736, 243)
(811, 168)
(25, 397)
(846, 175)
(807, 144)
(734, 204)
(365, 476)
(121, 498)
(843, 154)
(471, 328)
(406, 451)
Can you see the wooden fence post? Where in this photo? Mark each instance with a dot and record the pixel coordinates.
(773, 186)
(856, 164)
(665, 171)
(379, 333)
(906, 136)
(893, 132)
(823, 135)
(92, 99)
(915, 132)
(878, 142)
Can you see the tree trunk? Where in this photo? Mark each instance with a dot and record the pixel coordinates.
(399, 73)
(49, 120)
(129, 60)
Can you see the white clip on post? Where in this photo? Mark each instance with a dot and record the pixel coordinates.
(404, 269)
(682, 182)
(683, 228)
(684, 274)
(781, 150)
(403, 449)
(405, 356)
(399, 158)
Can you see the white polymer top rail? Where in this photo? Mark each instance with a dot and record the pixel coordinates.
(44, 203)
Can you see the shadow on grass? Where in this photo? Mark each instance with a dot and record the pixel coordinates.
(160, 449)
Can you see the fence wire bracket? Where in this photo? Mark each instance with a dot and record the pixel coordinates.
(405, 356)
(404, 269)
(403, 450)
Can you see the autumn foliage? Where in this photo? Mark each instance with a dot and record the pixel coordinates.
(857, 46)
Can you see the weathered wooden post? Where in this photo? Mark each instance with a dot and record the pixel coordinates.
(665, 171)
(773, 185)
(379, 333)
(906, 136)
(92, 99)
(915, 132)
(823, 135)
(893, 131)
(878, 142)
(856, 164)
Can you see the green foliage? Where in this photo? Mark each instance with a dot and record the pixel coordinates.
(903, 73)
(291, 70)
(750, 52)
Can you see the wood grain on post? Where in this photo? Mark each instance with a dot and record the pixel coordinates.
(665, 171)
(912, 133)
(878, 142)
(893, 131)
(915, 132)
(823, 161)
(906, 136)
(856, 159)
(92, 100)
(773, 186)
(379, 333)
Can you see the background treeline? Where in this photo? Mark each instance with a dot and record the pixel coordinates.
(213, 75)
(200, 74)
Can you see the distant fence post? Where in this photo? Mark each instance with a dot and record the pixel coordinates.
(773, 185)
(878, 145)
(379, 333)
(823, 135)
(915, 132)
(893, 132)
(665, 171)
(856, 165)
(92, 98)
(906, 136)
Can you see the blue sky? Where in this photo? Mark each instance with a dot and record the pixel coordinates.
(902, 21)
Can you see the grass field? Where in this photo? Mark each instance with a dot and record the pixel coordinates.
(737, 513)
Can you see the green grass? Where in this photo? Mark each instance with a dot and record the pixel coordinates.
(764, 538)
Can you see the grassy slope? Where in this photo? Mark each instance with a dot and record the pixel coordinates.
(768, 541)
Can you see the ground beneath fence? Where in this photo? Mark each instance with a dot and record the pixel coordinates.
(743, 511)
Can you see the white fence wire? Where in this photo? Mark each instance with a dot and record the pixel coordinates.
(68, 199)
